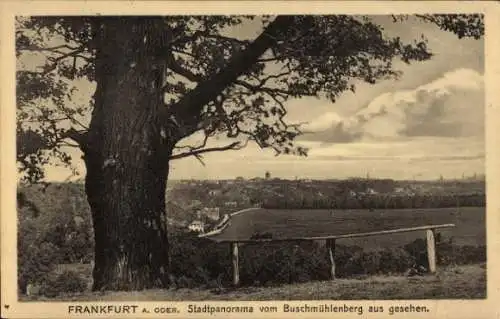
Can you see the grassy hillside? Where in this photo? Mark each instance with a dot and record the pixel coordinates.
(459, 282)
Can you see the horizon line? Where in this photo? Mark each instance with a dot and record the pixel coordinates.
(479, 177)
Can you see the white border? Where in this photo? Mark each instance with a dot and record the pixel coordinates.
(440, 308)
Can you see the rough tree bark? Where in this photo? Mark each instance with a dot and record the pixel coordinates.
(129, 143)
(127, 162)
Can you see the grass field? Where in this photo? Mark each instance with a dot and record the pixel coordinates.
(459, 282)
(470, 224)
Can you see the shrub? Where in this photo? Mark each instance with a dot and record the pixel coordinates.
(35, 263)
(274, 263)
(196, 261)
(345, 260)
(418, 250)
(199, 262)
(65, 282)
(382, 261)
(447, 253)
(394, 261)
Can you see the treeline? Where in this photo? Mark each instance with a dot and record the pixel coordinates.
(378, 202)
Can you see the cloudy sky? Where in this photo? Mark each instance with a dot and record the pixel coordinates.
(428, 123)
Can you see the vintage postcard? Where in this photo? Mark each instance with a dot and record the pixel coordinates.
(244, 159)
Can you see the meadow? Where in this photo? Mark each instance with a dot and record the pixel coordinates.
(470, 226)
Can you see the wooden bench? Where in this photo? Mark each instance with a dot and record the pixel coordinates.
(430, 231)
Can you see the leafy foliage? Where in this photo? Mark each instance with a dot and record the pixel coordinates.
(65, 282)
(202, 263)
(463, 25)
(53, 227)
(309, 56)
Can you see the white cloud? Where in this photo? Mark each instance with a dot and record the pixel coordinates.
(323, 122)
(464, 79)
(450, 106)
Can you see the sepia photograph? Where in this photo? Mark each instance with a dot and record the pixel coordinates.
(196, 158)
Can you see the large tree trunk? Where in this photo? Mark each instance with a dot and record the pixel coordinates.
(127, 163)
(128, 145)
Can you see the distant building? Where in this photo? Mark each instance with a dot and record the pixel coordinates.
(231, 204)
(212, 213)
(403, 191)
(214, 192)
(371, 191)
(197, 226)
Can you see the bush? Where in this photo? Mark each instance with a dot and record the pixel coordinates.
(446, 253)
(58, 230)
(65, 282)
(274, 263)
(394, 261)
(50, 232)
(35, 263)
(199, 262)
(382, 261)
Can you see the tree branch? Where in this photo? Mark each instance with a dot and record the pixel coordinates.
(228, 39)
(190, 106)
(261, 88)
(78, 136)
(193, 148)
(65, 55)
(177, 68)
(233, 146)
(55, 49)
(72, 119)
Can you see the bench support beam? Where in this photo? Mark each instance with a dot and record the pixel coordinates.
(236, 266)
(330, 246)
(431, 250)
